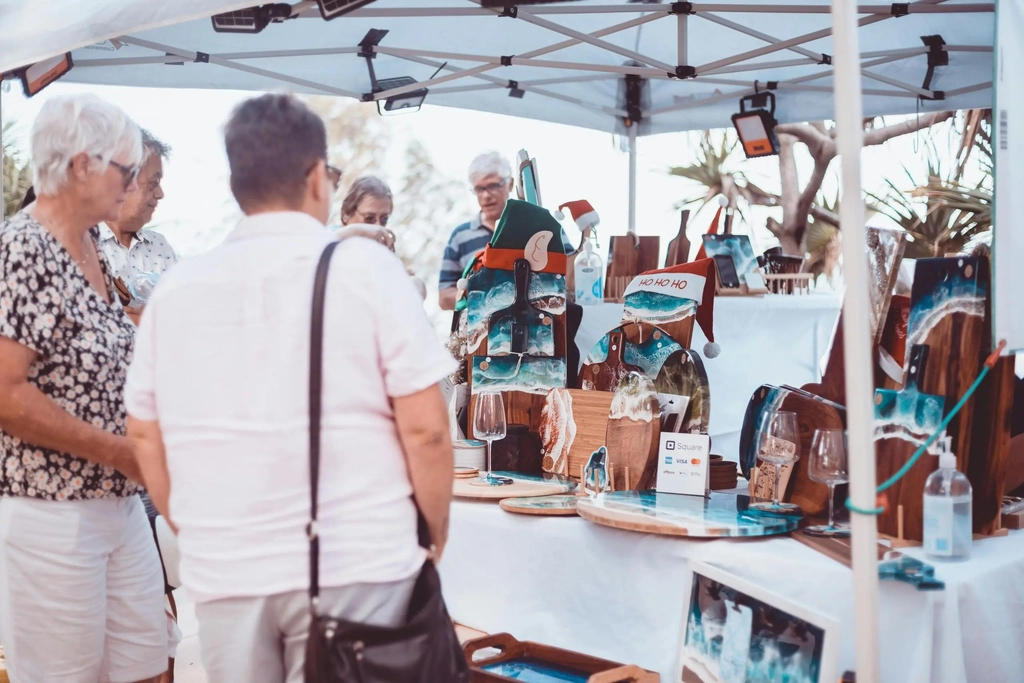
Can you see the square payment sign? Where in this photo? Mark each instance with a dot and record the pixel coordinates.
(683, 463)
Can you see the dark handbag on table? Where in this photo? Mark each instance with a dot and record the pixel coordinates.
(425, 648)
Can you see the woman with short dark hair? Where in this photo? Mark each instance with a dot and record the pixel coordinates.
(219, 399)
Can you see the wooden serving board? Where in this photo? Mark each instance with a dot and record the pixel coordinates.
(522, 487)
(720, 515)
(837, 549)
(545, 506)
(679, 247)
(683, 374)
(627, 258)
(947, 313)
(990, 445)
(606, 375)
(632, 433)
(589, 413)
(645, 314)
(903, 421)
(812, 412)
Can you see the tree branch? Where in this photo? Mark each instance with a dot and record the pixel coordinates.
(821, 164)
(877, 136)
(824, 215)
(804, 132)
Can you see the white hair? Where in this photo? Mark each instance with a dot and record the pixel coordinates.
(69, 125)
(489, 163)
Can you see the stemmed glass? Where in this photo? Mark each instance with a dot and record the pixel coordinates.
(780, 445)
(489, 426)
(828, 465)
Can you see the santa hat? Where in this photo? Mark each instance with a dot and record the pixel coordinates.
(582, 212)
(713, 228)
(695, 280)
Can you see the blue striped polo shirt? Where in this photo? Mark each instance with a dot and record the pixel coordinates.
(467, 240)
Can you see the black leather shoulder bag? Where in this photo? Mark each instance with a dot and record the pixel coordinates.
(424, 649)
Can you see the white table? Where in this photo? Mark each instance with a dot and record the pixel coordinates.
(773, 339)
(619, 595)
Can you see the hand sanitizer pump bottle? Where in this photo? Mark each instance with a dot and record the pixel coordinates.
(589, 272)
(947, 509)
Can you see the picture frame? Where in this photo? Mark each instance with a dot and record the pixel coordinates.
(767, 638)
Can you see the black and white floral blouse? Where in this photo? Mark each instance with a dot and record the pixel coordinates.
(84, 344)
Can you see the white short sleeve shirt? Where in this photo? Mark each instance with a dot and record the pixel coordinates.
(222, 362)
(150, 252)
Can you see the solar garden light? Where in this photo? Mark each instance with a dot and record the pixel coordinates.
(756, 126)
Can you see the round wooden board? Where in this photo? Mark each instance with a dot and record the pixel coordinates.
(523, 486)
(721, 515)
(547, 506)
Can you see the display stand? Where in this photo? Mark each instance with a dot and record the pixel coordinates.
(521, 487)
(720, 515)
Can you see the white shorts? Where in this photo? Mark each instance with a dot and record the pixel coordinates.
(81, 592)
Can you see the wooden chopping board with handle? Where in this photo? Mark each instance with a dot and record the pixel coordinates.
(606, 375)
(633, 432)
(679, 247)
(904, 419)
(812, 412)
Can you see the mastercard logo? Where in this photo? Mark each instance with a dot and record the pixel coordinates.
(695, 461)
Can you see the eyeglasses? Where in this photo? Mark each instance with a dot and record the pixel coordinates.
(493, 188)
(128, 173)
(372, 218)
(334, 175)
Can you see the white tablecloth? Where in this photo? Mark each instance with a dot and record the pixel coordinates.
(765, 340)
(619, 595)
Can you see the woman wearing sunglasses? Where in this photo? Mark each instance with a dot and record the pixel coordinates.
(366, 210)
(81, 586)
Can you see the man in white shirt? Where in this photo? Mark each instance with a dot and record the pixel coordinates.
(218, 405)
(126, 244)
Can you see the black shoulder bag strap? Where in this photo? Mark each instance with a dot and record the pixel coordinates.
(316, 361)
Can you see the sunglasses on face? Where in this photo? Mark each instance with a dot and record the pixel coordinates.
(128, 173)
(373, 218)
(493, 188)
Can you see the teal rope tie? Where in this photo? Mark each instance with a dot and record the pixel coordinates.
(920, 451)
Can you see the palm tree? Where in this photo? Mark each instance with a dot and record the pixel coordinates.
(715, 172)
(17, 175)
(945, 213)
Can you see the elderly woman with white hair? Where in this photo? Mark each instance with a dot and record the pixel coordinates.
(81, 586)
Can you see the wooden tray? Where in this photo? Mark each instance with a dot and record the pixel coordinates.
(544, 506)
(524, 486)
(720, 515)
(587, 668)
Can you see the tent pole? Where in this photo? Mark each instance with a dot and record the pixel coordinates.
(859, 390)
(632, 177)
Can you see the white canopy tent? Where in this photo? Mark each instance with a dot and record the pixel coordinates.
(569, 63)
(568, 60)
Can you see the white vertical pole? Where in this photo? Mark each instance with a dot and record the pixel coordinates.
(632, 177)
(859, 389)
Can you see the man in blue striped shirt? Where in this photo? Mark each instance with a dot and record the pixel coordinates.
(491, 178)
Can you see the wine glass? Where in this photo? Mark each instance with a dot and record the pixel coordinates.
(780, 445)
(828, 465)
(489, 426)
